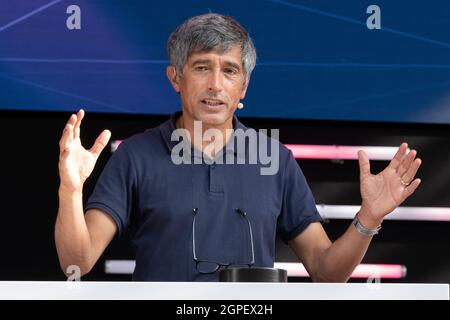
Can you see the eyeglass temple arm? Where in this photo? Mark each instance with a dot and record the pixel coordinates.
(194, 212)
(244, 215)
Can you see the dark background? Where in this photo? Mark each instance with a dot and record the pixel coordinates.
(29, 184)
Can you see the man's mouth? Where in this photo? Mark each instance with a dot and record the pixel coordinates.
(212, 102)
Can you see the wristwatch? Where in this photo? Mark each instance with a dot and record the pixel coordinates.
(363, 230)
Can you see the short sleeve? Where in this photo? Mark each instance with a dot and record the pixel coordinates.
(298, 207)
(113, 192)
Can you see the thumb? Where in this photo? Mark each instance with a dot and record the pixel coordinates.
(100, 143)
(364, 164)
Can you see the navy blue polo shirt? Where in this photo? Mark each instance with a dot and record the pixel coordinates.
(152, 197)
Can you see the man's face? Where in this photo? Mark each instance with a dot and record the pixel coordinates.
(211, 86)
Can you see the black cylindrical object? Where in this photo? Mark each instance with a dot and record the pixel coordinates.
(256, 274)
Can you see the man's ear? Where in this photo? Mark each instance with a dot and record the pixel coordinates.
(244, 89)
(173, 78)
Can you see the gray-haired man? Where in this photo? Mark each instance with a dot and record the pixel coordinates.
(188, 221)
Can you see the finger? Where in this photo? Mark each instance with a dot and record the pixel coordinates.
(66, 137)
(72, 119)
(100, 143)
(406, 163)
(412, 170)
(409, 190)
(395, 162)
(76, 127)
(364, 163)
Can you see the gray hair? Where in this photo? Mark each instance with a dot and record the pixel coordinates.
(210, 32)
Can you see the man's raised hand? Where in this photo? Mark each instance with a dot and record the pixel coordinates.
(384, 192)
(75, 162)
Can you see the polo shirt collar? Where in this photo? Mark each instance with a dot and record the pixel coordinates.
(169, 126)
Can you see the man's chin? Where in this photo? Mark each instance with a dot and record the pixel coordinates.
(213, 120)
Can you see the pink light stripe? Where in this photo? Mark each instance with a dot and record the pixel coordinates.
(366, 271)
(305, 151)
(400, 213)
(294, 269)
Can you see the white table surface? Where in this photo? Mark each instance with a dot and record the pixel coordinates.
(218, 291)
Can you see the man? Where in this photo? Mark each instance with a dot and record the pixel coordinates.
(187, 221)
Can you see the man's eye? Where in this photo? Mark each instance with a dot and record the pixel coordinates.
(230, 71)
(201, 68)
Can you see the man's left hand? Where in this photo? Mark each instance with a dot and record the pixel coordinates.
(384, 192)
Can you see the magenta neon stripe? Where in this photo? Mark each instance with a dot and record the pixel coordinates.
(366, 271)
(373, 271)
(306, 151)
(400, 213)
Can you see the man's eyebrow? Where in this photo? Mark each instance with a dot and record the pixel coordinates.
(233, 65)
(201, 61)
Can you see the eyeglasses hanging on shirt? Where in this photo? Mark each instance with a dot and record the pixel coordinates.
(205, 266)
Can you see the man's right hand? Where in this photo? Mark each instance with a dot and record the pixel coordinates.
(75, 162)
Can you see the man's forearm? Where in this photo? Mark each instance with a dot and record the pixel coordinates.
(71, 232)
(337, 263)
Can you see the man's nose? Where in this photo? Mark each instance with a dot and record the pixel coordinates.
(215, 81)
